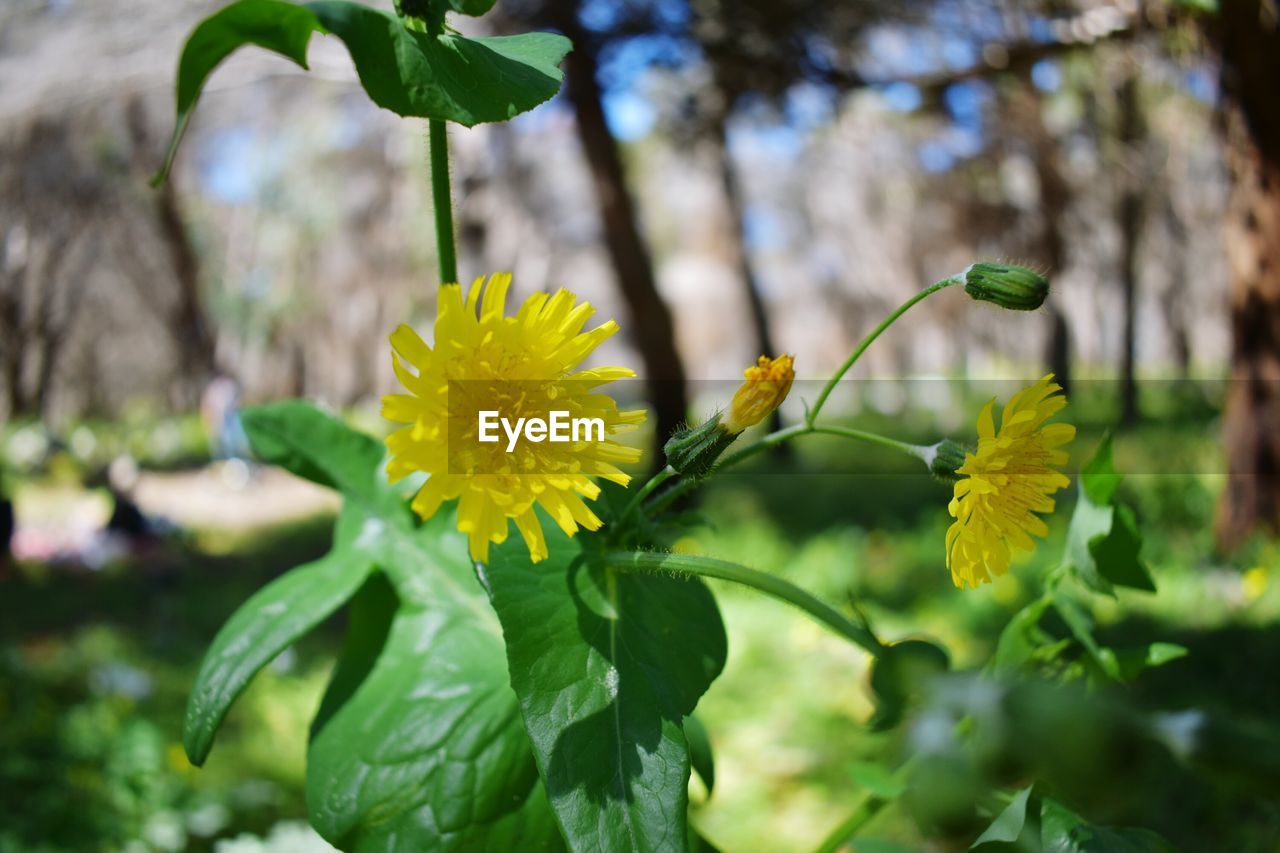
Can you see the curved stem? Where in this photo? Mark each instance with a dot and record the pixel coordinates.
(868, 340)
(915, 450)
(649, 561)
(442, 201)
(647, 489)
(774, 438)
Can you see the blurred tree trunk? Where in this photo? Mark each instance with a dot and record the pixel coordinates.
(1055, 199)
(188, 325)
(1130, 133)
(1249, 42)
(13, 281)
(738, 243)
(652, 330)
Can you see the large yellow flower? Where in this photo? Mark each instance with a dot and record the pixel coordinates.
(519, 367)
(1010, 477)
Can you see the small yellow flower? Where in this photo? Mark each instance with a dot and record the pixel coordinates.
(1011, 477)
(1254, 583)
(520, 367)
(768, 381)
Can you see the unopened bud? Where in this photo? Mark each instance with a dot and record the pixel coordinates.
(1007, 285)
(768, 381)
(693, 451)
(945, 458)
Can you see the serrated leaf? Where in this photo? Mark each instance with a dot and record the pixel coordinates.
(265, 625)
(607, 664)
(1103, 541)
(447, 77)
(419, 743)
(1117, 553)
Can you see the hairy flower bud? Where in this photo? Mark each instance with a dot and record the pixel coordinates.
(693, 451)
(944, 459)
(1007, 285)
(768, 382)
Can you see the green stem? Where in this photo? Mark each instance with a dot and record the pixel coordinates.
(651, 561)
(442, 201)
(775, 438)
(647, 489)
(853, 824)
(867, 341)
(863, 813)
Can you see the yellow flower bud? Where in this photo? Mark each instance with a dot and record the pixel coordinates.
(768, 382)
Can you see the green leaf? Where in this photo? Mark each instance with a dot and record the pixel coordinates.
(877, 779)
(1022, 638)
(419, 743)
(318, 447)
(701, 756)
(1134, 661)
(607, 664)
(1008, 826)
(1081, 626)
(1099, 476)
(899, 673)
(1064, 831)
(1103, 541)
(446, 77)
(1117, 553)
(266, 624)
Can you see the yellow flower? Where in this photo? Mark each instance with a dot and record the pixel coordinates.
(768, 381)
(517, 367)
(1010, 478)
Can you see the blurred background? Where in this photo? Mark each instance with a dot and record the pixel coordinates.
(725, 177)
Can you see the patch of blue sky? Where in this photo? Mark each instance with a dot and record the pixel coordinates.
(1046, 75)
(1201, 82)
(630, 115)
(231, 164)
(901, 97)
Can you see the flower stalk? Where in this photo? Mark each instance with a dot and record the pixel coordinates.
(442, 201)
(650, 561)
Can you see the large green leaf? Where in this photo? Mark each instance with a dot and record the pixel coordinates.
(447, 77)
(607, 664)
(275, 617)
(319, 447)
(1103, 541)
(419, 743)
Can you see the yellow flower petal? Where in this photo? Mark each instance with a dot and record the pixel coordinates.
(1005, 482)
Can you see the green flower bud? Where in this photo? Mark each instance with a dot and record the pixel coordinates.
(1007, 285)
(693, 451)
(944, 458)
